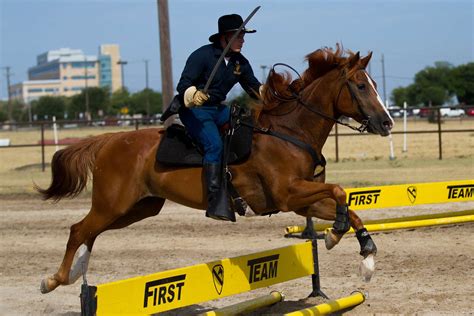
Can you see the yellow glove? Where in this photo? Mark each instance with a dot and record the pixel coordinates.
(200, 98)
(194, 97)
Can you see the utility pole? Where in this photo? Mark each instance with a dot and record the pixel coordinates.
(10, 110)
(146, 89)
(264, 67)
(383, 78)
(165, 53)
(122, 63)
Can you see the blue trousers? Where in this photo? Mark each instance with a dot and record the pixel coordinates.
(203, 125)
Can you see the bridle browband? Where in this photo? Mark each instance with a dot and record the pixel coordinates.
(297, 97)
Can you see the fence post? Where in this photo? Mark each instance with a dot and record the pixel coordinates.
(404, 127)
(439, 135)
(43, 167)
(337, 143)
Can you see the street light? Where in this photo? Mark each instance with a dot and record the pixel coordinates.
(122, 63)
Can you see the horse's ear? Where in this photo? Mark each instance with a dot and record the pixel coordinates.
(354, 60)
(365, 61)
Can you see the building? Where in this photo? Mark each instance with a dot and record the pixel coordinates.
(66, 72)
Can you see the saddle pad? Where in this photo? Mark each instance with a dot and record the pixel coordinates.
(178, 149)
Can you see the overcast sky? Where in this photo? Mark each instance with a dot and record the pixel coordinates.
(411, 34)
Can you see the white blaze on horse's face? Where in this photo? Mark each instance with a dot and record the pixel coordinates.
(387, 126)
(378, 95)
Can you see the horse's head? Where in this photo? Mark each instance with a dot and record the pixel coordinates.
(333, 85)
(358, 97)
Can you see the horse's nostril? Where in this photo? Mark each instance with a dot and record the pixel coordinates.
(387, 124)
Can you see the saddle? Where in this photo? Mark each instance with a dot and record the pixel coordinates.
(178, 149)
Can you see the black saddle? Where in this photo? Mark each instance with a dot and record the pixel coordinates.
(177, 148)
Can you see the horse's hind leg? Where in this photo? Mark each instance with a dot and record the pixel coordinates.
(88, 228)
(149, 206)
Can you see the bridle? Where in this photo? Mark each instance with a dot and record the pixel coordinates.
(297, 97)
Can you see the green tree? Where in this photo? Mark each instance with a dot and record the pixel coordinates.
(146, 102)
(48, 106)
(3, 111)
(119, 100)
(463, 83)
(98, 101)
(399, 96)
(433, 85)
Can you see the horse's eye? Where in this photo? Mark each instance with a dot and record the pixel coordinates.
(361, 86)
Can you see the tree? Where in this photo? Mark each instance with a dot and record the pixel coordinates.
(48, 106)
(146, 101)
(399, 96)
(437, 85)
(98, 101)
(3, 111)
(463, 83)
(119, 100)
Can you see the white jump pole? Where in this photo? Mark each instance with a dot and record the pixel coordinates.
(390, 139)
(404, 127)
(55, 132)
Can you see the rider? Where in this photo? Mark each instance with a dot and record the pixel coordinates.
(203, 113)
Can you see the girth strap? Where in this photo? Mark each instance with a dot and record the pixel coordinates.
(316, 160)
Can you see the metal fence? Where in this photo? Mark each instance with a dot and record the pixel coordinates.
(433, 114)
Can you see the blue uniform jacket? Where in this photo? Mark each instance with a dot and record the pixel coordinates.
(199, 67)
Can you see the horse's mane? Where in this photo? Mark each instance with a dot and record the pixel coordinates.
(280, 86)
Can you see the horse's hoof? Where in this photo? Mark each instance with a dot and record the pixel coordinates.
(47, 285)
(367, 268)
(331, 239)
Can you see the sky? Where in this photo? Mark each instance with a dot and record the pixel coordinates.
(410, 34)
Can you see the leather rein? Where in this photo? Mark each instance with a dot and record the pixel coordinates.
(297, 97)
(317, 160)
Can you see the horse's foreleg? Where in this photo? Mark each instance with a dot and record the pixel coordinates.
(303, 194)
(367, 245)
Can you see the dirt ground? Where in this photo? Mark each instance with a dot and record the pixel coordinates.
(423, 271)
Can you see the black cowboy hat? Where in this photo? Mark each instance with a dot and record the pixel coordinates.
(229, 23)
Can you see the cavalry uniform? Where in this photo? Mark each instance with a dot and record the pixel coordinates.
(203, 113)
(202, 122)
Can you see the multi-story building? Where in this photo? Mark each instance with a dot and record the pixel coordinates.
(65, 72)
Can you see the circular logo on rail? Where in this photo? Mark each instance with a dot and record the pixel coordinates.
(411, 192)
(218, 277)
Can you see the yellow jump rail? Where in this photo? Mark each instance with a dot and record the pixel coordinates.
(331, 306)
(167, 290)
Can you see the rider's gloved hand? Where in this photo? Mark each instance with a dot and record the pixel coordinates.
(194, 97)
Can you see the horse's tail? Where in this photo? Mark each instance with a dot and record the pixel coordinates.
(70, 168)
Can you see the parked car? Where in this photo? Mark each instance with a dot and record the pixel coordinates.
(395, 111)
(470, 112)
(452, 112)
(425, 112)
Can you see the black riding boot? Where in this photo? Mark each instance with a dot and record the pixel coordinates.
(218, 203)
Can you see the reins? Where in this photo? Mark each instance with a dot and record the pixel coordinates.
(297, 97)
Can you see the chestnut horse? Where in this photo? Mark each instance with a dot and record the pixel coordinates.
(129, 185)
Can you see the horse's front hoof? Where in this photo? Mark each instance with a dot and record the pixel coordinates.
(47, 285)
(367, 268)
(331, 239)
